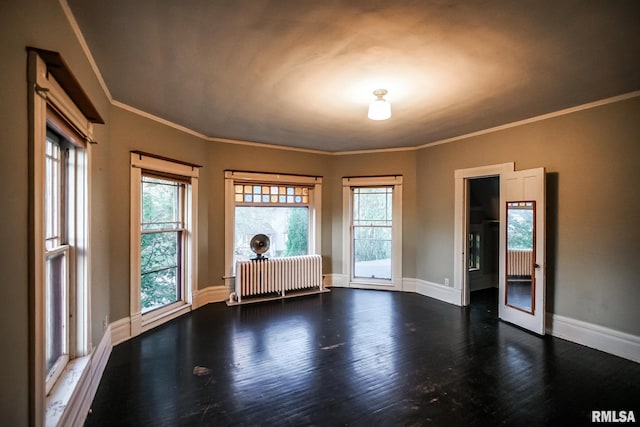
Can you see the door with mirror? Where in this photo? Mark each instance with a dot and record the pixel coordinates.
(522, 276)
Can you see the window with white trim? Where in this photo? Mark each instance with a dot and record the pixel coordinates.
(373, 231)
(163, 239)
(61, 134)
(286, 208)
(372, 224)
(59, 213)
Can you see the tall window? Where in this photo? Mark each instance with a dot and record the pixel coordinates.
(61, 133)
(373, 231)
(163, 239)
(65, 249)
(162, 242)
(286, 208)
(56, 258)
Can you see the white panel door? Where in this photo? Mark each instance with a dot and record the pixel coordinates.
(522, 250)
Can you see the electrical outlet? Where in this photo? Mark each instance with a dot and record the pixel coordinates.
(446, 281)
(105, 322)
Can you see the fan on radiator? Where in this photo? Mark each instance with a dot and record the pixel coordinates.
(259, 245)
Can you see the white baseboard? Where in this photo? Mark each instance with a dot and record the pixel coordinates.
(120, 330)
(336, 280)
(342, 281)
(88, 372)
(409, 284)
(210, 294)
(433, 290)
(422, 287)
(599, 337)
(588, 334)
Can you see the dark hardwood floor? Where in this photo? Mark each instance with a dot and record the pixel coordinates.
(357, 357)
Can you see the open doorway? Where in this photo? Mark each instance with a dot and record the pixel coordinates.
(519, 189)
(483, 240)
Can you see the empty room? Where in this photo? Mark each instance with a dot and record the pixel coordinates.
(329, 213)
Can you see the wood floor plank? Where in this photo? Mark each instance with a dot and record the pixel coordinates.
(357, 357)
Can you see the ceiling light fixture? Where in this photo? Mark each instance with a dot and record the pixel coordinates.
(379, 109)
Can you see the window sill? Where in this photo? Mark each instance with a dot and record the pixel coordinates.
(62, 392)
(372, 281)
(152, 319)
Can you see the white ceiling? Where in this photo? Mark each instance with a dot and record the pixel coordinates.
(301, 74)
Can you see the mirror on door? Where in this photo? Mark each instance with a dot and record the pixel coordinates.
(520, 259)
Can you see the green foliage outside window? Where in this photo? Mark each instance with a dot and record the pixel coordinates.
(297, 232)
(160, 243)
(159, 269)
(520, 229)
(286, 226)
(372, 220)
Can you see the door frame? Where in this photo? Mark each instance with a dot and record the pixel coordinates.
(461, 210)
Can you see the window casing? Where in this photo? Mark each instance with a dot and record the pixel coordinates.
(164, 200)
(61, 137)
(287, 208)
(372, 230)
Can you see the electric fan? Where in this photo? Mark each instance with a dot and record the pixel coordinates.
(259, 244)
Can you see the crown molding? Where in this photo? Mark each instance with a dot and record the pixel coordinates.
(547, 116)
(530, 120)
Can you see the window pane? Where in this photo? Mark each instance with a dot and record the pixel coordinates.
(520, 227)
(160, 204)
(287, 228)
(372, 232)
(159, 288)
(271, 194)
(55, 309)
(160, 256)
(372, 204)
(372, 259)
(160, 269)
(53, 194)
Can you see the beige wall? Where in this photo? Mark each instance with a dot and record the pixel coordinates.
(591, 158)
(223, 157)
(130, 132)
(42, 24)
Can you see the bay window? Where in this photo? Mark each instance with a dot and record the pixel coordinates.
(286, 208)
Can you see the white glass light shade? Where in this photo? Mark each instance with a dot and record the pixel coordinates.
(379, 109)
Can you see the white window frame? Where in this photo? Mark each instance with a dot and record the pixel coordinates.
(315, 209)
(65, 212)
(45, 95)
(348, 184)
(140, 163)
